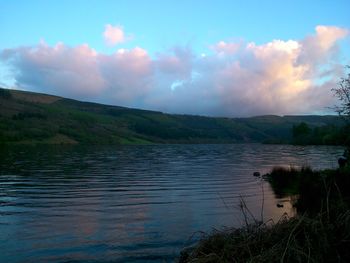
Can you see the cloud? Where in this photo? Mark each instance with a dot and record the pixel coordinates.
(250, 79)
(69, 71)
(114, 35)
(236, 79)
(226, 48)
(128, 76)
(176, 63)
(321, 47)
(80, 72)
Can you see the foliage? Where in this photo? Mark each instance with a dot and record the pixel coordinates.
(37, 118)
(314, 188)
(285, 181)
(303, 134)
(301, 129)
(342, 92)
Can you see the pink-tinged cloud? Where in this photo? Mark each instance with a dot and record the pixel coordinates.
(128, 74)
(320, 48)
(114, 35)
(176, 63)
(82, 73)
(259, 79)
(238, 79)
(226, 48)
(69, 71)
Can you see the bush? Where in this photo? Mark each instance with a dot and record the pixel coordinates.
(285, 181)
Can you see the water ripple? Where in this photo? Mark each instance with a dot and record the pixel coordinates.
(133, 203)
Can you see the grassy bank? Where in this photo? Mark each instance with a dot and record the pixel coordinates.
(319, 233)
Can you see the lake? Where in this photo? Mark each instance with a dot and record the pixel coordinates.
(135, 203)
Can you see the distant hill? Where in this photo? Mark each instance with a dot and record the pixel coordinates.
(27, 117)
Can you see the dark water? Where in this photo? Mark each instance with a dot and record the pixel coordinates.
(133, 203)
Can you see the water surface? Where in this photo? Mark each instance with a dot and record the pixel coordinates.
(134, 203)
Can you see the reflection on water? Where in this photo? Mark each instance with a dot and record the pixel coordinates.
(133, 203)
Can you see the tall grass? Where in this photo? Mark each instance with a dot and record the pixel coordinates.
(319, 233)
(299, 239)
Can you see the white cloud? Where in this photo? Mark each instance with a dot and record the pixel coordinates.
(238, 79)
(114, 35)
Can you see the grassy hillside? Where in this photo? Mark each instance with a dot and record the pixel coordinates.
(27, 117)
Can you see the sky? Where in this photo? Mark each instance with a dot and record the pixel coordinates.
(214, 58)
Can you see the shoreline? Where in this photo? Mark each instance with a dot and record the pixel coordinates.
(317, 233)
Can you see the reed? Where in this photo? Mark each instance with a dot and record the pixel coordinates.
(320, 232)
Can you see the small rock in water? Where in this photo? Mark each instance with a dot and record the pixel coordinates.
(256, 174)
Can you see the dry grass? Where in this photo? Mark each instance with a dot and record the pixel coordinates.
(299, 239)
(319, 233)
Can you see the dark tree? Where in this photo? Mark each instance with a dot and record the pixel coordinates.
(342, 92)
(301, 129)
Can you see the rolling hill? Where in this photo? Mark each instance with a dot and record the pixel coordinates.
(27, 117)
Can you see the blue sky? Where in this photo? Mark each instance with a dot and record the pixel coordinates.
(160, 24)
(171, 31)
